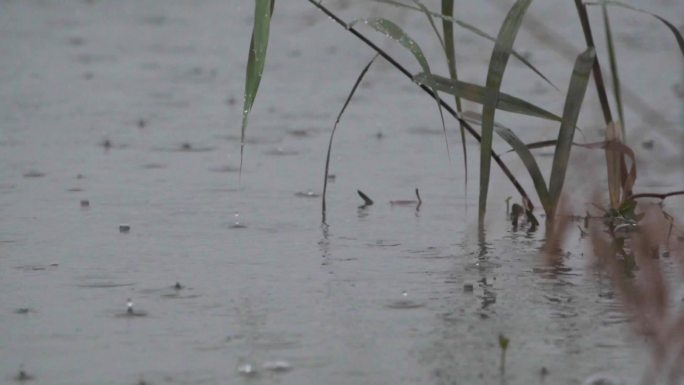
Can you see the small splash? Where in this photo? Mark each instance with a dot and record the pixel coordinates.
(281, 151)
(247, 370)
(603, 379)
(34, 174)
(404, 303)
(237, 222)
(307, 194)
(131, 312)
(224, 169)
(277, 366)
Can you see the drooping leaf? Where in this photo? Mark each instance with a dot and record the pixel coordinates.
(573, 104)
(471, 28)
(669, 25)
(263, 10)
(395, 32)
(484, 96)
(441, 42)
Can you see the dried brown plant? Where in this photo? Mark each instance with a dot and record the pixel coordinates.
(647, 297)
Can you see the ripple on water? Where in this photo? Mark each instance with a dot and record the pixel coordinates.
(281, 151)
(307, 194)
(404, 304)
(224, 169)
(185, 147)
(104, 285)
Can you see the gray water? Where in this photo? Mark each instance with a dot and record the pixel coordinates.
(135, 107)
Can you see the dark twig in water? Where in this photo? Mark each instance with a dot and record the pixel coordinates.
(426, 89)
(332, 134)
(366, 200)
(656, 195)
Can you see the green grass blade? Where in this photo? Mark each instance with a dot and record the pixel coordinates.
(497, 66)
(263, 10)
(484, 96)
(332, 134)
(573, 104)
(598, 75)
(479, 32)
(525, 156)
(614, 69)
(669, 25)
(450, 52)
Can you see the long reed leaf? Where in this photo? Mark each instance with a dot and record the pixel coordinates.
(497, 66)
(669, 25)
(477, 31)
(573, 104)
(484, 96)
(263, 10)
(612, 60)
(450, 52)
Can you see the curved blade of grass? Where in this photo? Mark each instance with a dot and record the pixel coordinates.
(613, 68)
(573, 104)
(669, 25)
(332, 134)
(525, 156)
(395, 32)
(484, 96)
(450, 52)
(263, 10)
(497, 66)
(475, 30)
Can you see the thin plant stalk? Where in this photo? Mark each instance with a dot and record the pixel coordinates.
(332, 134)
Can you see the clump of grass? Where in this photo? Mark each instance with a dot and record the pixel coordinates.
(489, 96)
